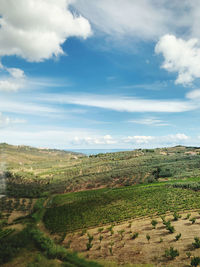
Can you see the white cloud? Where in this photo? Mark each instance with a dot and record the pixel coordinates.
(176, 137)
(126, 104)
(36, 29)
(157, 141)
(180, 56)
(16, 73)
(25, 107)
(14, 82)
(138, 139)
(105, 140)
(142, 19)
(10, 86)
(194, 95)
(66, 138)
(149, 122)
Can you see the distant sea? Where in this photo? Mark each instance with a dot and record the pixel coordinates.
(89, 152)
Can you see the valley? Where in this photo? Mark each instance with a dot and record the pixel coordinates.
(142, 208)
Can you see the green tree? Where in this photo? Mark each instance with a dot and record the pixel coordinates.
(178, 236)
(171, 253)
(148, 237)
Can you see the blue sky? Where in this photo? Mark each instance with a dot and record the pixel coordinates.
(99, 74)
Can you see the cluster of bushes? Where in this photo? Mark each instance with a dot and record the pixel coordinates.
(12, 245)
(187, 185)
(53, 251)
(38, 210)
(9, 205)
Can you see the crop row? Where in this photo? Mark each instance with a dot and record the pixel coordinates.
(92, 208)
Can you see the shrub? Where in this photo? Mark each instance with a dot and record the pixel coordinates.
(12, 245)
(167, 223)
(90, 238)
(89, 246)
(171, 253)
(154, 223)
(111, 230)
(148, 237)
(195, 261)
(193, 220)
(188, 254)
(170, 228)
(54, 251)
(178, 236)
(196, 243)
(176, 216)
(38, 210)
(134, 235)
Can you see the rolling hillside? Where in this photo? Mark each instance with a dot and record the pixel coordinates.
(35, 172)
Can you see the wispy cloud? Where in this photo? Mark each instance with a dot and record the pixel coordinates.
(123, 104)
(194, 95)
(22, 107)
(12, 79)
(149, 122)
(143, 20)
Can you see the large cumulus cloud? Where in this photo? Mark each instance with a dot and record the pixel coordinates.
(36, 29)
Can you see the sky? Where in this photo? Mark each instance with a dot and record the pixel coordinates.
(100, 74)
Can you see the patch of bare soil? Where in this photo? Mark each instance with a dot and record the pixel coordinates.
(16, 214)
(18, 227)
(121, 248)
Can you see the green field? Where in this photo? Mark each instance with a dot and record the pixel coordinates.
(80, 210)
